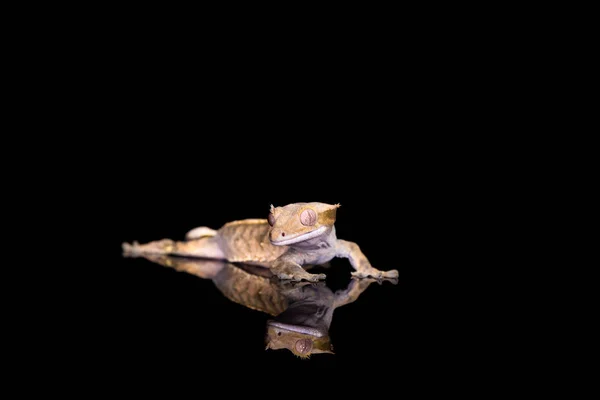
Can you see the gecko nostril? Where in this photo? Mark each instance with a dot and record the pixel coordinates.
(282, 233)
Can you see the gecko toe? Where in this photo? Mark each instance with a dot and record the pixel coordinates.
(366, 274)
(390, 274)
(129, 249)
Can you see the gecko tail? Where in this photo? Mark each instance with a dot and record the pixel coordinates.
(201, 231)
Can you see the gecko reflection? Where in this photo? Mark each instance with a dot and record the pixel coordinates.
(301, 311)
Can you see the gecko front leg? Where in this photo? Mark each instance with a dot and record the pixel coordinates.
(288, 269)
(359, 262)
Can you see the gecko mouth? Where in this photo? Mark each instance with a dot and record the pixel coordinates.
(300, 238)
(307, 330)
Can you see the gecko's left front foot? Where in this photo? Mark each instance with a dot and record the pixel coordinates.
(376, 274)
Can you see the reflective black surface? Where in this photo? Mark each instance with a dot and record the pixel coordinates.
(167, 308)
(153, 315)
(152, 318)
(301, 312)
(166, 156)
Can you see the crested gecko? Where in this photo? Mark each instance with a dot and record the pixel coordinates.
(291, 237)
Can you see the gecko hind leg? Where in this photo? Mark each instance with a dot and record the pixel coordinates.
(205, 247)
(201, 231)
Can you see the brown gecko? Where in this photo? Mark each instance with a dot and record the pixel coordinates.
(293, 236)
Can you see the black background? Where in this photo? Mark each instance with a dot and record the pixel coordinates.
(176, 139)
(177, 163)
(153, 320)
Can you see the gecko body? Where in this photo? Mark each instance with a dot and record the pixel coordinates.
(291, 237)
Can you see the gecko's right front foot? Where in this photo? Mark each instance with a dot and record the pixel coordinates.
(299, 277)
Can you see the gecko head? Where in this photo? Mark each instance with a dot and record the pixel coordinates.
(299, 222)
(302, 341)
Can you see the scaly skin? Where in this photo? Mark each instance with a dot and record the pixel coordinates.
(291, 238)
(247, 241)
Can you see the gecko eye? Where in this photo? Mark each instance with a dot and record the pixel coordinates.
(271, 219)
(304, 346)
(308, 217)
